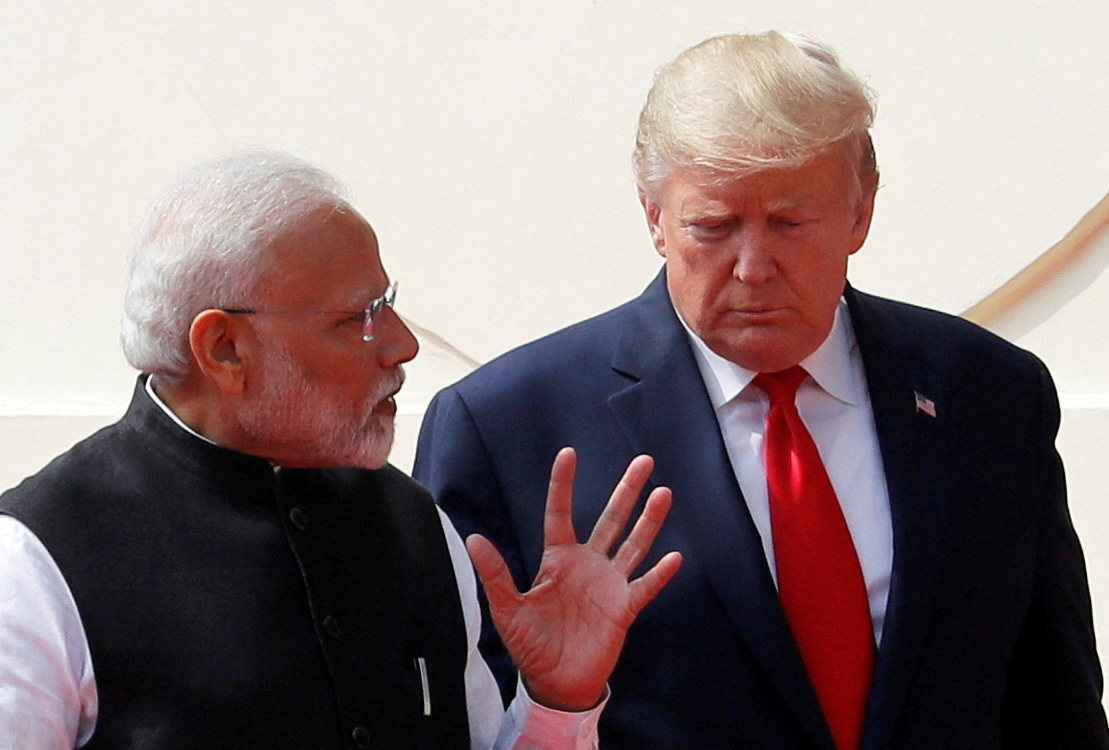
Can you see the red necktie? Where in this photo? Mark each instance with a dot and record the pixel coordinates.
(819, 579)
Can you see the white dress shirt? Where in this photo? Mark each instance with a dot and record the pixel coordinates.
(48, 698)
(835, 406)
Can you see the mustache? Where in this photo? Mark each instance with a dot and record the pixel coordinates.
(393, 382)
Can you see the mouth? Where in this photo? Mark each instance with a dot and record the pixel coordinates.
(387, 405)
(757, 311)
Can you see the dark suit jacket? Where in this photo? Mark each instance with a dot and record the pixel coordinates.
(988, 640)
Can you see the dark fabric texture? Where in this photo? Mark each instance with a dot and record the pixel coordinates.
(231, 605)
(988, 641)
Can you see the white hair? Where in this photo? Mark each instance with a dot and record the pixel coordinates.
(202, 246)
(740, 103)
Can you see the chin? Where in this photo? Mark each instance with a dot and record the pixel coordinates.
(375, 450)
(764, 349)
(376, 462)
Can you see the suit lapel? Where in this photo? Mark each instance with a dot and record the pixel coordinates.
(911, 446)
(667, 414)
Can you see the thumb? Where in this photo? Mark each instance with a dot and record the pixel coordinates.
(492, 571)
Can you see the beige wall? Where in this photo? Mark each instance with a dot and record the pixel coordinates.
(488, 144)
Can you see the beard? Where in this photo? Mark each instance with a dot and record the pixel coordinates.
(296, 417)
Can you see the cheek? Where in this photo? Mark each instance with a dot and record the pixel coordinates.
(697, 290)
(819, 282)
(707, 273)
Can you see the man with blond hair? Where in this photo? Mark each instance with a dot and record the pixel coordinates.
(878, 552)
(234, 565)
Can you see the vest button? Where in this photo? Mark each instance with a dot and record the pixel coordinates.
(361, 737)
(298, 518)
(331, 626)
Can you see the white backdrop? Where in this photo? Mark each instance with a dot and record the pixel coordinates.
(488, 143)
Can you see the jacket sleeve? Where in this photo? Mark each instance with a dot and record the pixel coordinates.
(1053, 694)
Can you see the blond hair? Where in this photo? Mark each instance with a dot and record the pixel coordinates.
(740, 103)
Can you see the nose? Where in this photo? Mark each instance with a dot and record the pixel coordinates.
(754, 262)
(396, 344)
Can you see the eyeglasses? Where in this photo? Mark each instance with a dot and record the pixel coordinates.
(369, 315)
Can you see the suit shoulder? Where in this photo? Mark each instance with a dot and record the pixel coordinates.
(585, 345)
(55, 482)
(934, 332)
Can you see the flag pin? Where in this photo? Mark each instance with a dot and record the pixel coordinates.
(924, 404)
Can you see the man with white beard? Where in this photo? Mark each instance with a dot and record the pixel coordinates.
(233, 564)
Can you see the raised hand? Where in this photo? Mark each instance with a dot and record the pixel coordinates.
(566, 632)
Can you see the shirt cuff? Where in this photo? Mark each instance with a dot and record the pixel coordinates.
(531, 725)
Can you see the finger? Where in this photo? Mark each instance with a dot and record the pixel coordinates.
(493, 573)
(558, 521)
(646, 528)
(614, 518)
(645, 588)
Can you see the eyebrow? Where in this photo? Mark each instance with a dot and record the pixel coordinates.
(710, 211)
(787, 204)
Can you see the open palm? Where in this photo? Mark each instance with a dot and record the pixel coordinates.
(565, 633)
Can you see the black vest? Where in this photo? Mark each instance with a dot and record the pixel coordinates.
(229, 605)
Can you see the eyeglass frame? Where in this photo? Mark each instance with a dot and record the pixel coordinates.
(375, 306)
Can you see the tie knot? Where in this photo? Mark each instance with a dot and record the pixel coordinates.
(781, 386)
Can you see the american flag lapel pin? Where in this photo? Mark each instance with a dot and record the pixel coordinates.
(924, 404)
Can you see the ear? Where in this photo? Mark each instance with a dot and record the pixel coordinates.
(653, 211)
(217, 343)
(864, 210)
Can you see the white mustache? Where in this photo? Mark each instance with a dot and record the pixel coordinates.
(390, 386)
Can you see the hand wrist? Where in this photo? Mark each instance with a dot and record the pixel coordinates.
(557, 700)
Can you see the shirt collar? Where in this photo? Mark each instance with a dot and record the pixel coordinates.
(169, 412)
(830, 365)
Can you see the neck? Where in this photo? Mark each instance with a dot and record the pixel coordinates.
(194, 404)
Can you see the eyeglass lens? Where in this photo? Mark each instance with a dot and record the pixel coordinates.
(375, 307)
